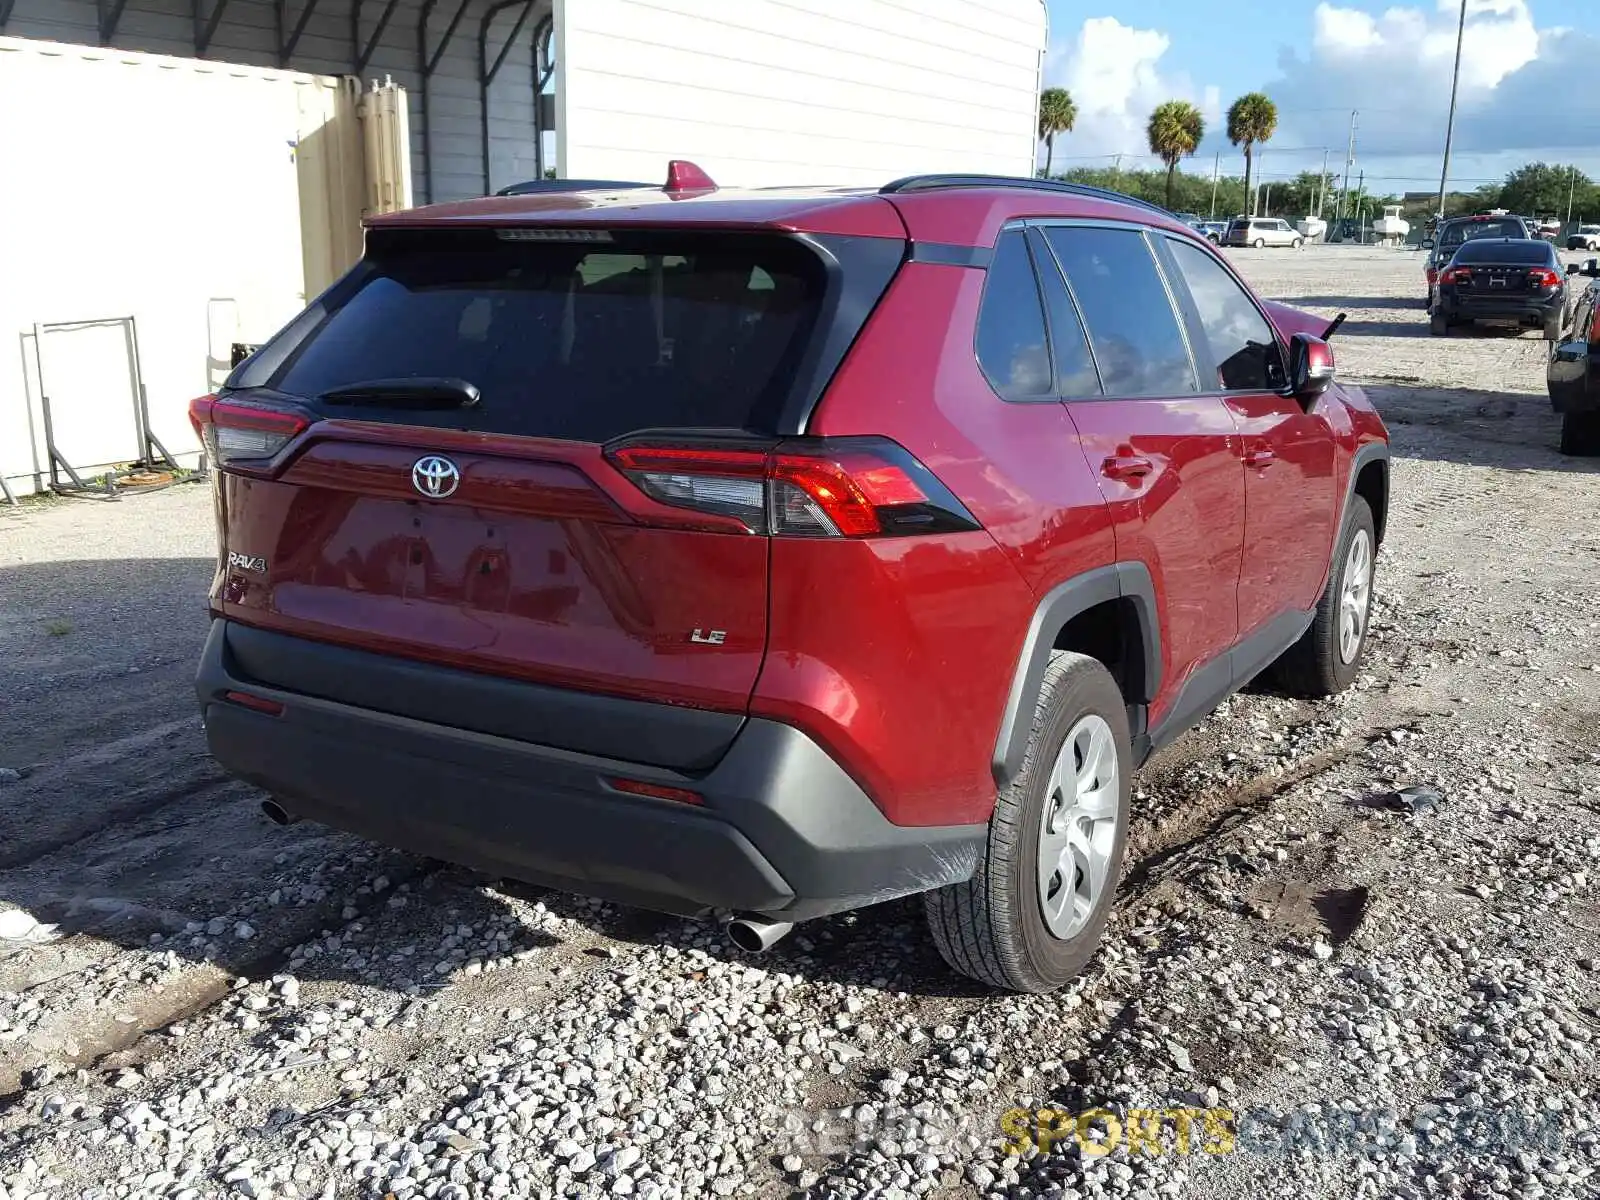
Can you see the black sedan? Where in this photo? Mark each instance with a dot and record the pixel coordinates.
(1574, 373)
(1516, 281)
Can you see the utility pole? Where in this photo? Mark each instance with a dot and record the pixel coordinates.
(1116, 172)
(1216, 173)
(1450, 123)
(1322, 183)
(1266, 206)
(1572, 186)
(1349, 161)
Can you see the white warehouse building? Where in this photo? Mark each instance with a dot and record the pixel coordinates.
(179, 177)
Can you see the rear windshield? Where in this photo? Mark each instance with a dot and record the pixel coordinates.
(1469, 230)
(577, 340)
(1522, 250)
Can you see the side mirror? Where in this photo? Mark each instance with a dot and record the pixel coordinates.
(1311, 368)
(1427, 243)
(1572, 268)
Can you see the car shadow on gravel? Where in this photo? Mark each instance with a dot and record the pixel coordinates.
(1392, 329)
(1474, 427)
(1347, 303)
(885, 946)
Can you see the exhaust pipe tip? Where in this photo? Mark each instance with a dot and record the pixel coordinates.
(277, 814)
(756, 934)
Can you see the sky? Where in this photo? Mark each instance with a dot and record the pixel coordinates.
(1529, 88)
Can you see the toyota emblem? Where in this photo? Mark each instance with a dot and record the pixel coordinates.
(435, 477)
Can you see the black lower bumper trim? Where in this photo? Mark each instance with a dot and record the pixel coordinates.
(782, 829)
(1498, 310)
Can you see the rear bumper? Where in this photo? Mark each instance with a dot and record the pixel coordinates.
(1495, 308)
(782, 830)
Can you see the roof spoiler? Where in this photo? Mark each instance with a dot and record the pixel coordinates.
(684, 178)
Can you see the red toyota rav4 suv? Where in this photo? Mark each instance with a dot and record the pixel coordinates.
(762, 555)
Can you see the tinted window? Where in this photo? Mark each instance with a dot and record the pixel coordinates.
(1242, 342)
(573, 340)
(1524, 251)
(1075, 371)
(1011, 340)
(1135, 334)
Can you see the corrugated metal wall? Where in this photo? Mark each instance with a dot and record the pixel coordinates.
(248, 32)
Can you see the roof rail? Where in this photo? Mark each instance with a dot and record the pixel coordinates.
(928, 183)
(535, 186)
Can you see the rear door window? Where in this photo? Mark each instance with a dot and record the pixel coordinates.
(1138, 343)
(576, 340)
(1242, 341)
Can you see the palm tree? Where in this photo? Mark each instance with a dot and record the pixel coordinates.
(1252, 119)
(1176, 128)
(1057, 114)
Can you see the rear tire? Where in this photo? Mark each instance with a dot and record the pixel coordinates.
(994, 928)
(1259, 243)
(1297, 243)
(1327, 658)
(1580, 435)
(1552, 327)
(1439, 325)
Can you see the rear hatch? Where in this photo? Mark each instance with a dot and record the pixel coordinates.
(528, 453)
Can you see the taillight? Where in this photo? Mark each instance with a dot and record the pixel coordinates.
(842, 488)
(240, 432)
(1456, 275)
(1544, 277)
(1433, 274)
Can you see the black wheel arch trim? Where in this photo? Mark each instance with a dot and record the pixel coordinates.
(1129, 581)
(1371, 452)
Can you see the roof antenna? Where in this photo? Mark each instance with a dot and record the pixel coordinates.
(684, 178)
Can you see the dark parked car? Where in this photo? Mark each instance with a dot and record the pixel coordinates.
(1452, 234)
(1518, 280)
(761, 555)
(1574, 373)
(1209, 229)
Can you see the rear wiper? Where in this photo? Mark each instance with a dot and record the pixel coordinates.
(407, 392)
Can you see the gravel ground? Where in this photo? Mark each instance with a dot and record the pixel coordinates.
(1315, 984)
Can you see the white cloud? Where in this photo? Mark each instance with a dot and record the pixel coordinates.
(1500, 37)
(1114, 74)
(1517, 90)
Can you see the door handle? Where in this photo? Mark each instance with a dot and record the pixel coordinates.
(1127, 466)
(1260, 458)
